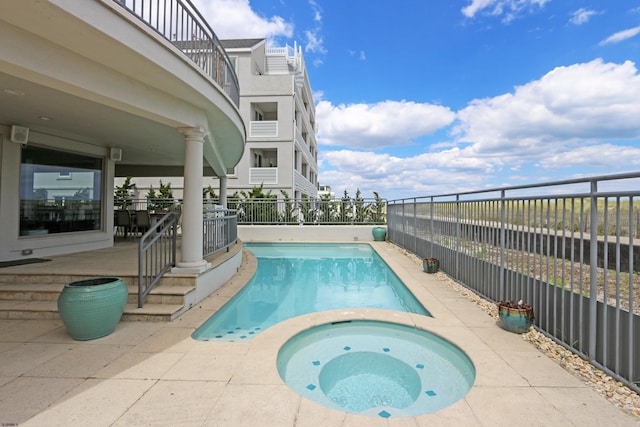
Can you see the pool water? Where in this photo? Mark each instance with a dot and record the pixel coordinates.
(375, 368)
(299, 278)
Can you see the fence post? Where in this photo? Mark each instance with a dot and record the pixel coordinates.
(502, 290)
(593, 272)
(458, 227)
(415, 225)
(431, 227)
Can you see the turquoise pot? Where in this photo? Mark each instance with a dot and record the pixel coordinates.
(379, 234)
(92, 308)
(517, 320)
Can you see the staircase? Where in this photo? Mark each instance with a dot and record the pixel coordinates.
(35, 296)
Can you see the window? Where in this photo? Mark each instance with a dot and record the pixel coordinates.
(59, 192)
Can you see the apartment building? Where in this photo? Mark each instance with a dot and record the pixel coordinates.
(276, 104)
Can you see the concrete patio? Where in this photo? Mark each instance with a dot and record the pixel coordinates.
(153, 373)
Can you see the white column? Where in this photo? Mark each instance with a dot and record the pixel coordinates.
(191, 260)
(223, 191)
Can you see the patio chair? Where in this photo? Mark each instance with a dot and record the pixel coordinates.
(123, 222)
(142, 222)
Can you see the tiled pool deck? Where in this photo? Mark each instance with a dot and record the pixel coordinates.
(155, 374)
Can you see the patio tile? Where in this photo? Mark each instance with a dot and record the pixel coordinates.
(174, 403)
(255, 405)
(94, 402)
(514, 406)
(135, 365)
(312, 414)
(203, 367)
(539, 370)
(458, 414)
(78, 361)
(25, 357)
(25, 397)
(173, 339)
(585, 407)
(493, 371)
(28, 330)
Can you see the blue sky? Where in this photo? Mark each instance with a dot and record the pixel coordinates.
(418, 97)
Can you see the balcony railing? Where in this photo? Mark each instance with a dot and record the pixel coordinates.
(181, 23)
(265, 175)
(568, 248)
(263, 129)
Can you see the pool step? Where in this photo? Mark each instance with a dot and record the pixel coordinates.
(25, 296)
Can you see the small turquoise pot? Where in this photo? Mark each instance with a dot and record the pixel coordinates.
(92, 308)
(379, 234)
(517, 320)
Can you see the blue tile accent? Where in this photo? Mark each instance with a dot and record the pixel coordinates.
(251, 333)
(386, 350)
(218, 336)
(243, 336)
(347, 348)
(384, 414)
(229, 332)
(311, 387)
(420, 366)
(316, 362)
(430, 393)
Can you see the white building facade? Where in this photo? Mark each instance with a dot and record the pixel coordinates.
(276, 105)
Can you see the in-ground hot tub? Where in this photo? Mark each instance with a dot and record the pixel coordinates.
(375, 368)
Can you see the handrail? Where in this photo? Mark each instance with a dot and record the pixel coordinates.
(180, 22)
(156, 253)
(220, 228)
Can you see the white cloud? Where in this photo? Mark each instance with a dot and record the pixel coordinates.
(314, 42)
(236, 19)
(569, 107)
(621, 36)
(391, 176)
(388, 123)
(582, 16)
(593, 156)
(508, 9)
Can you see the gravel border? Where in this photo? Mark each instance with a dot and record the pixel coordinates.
(614, 391)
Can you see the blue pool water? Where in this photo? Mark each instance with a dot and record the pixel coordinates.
(373, 368)
(298, 278)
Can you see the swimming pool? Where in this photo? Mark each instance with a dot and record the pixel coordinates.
(300, 278)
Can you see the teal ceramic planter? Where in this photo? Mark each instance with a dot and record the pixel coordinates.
(92, 308)
(430, 265)
(515, 318)
(379, 234)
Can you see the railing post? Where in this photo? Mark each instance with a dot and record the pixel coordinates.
(415, 225)
(431, 227)
(593, 272)
(458, 231)
(502, 291)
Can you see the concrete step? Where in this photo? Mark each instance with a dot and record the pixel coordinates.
(19, 309)
(25, 299)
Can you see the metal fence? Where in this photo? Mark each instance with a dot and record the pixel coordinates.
(180, 22)
(567, 247)
(220, 227)
(309, 211)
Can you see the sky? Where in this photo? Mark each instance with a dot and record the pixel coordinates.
(424, 97)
